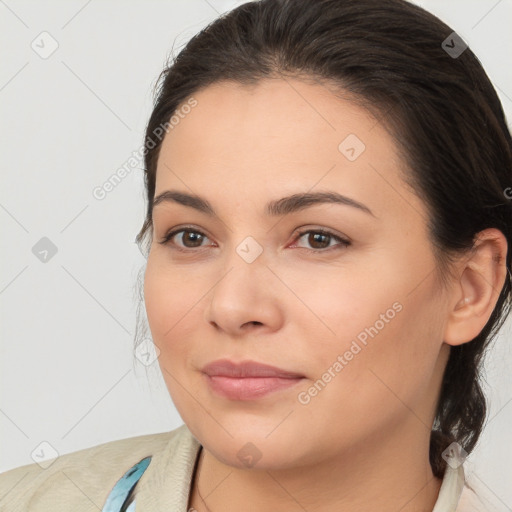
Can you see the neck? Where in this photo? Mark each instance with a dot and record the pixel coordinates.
(385, 475)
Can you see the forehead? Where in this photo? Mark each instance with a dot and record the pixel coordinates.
(279, 135)
(288, 119)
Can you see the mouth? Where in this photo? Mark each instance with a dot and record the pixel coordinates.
(247, 380)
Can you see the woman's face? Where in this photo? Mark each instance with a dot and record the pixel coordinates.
(357, 326)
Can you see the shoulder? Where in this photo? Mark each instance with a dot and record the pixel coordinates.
(476, 497)
(81, 480)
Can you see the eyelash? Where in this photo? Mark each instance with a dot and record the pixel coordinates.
(189, 229)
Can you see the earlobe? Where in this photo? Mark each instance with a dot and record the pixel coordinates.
(482, 276)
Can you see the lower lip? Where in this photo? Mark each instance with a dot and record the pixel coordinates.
(248, 388)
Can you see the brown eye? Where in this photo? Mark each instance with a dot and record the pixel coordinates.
(193, 238)
(190, 238)
(320, 239)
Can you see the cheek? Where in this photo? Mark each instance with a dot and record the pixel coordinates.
(169, 302)
(342, 307)
(361, 388)
(158, 300)
(380, 342)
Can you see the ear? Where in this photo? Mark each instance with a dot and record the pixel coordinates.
(474, 296)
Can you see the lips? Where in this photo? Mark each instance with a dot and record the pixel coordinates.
(247, 380)
(226, 368)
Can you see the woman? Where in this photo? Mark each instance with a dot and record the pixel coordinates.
(327, 229)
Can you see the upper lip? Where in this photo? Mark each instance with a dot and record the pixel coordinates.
(227, 368)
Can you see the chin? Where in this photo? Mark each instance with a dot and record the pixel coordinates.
(253, 449)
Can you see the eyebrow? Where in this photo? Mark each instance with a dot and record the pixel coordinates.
(275, 208)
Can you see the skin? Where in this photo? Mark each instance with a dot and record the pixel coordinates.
(362, 442)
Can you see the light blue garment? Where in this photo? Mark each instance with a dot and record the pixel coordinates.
(124, 485)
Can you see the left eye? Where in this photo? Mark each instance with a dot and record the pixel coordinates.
(316, 237)
(322, 238)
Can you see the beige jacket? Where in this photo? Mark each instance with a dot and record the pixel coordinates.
(81, 481)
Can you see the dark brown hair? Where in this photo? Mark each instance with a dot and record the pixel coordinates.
(441, 109)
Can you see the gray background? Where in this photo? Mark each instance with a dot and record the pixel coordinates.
(69, 121)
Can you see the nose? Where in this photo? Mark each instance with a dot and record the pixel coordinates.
(245, 298)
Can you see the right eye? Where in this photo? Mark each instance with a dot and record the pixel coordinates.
(190, 235)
